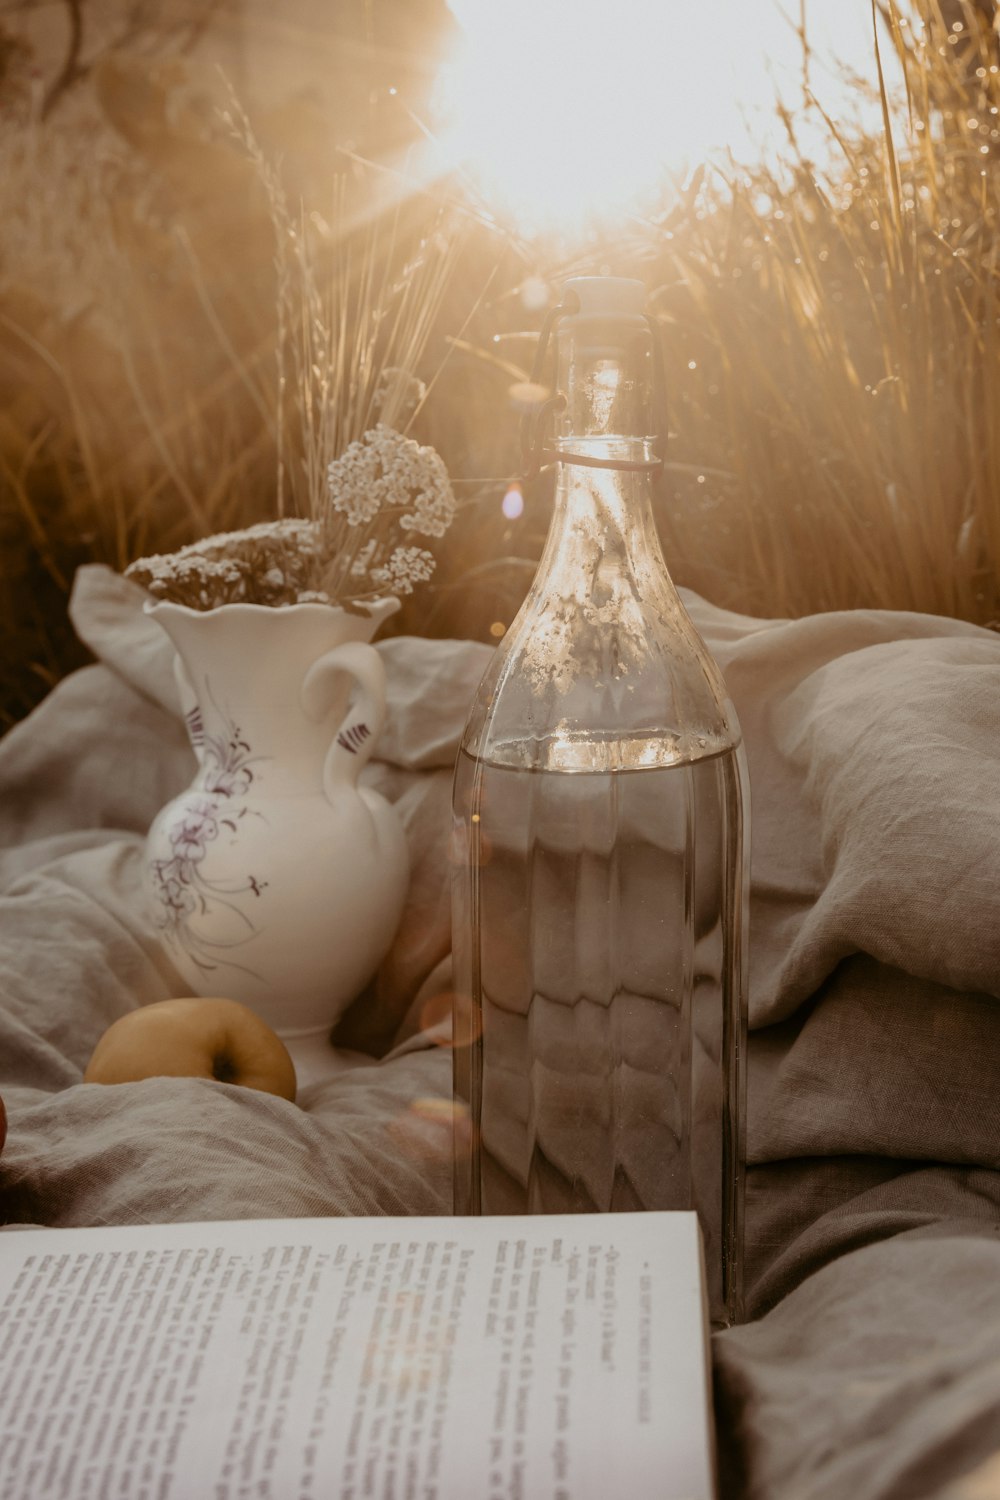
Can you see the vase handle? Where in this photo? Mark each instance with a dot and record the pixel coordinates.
(355, 739)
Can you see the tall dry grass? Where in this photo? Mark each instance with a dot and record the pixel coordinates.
(832, 335)
(830, 326)
(119, 421)
(181, 350)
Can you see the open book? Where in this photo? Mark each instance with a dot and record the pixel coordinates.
(400, 1359)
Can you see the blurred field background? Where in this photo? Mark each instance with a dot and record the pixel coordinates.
(830, 310)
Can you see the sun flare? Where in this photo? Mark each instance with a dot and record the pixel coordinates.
(565, 115)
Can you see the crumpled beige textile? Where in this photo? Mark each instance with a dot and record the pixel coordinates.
(874, 1132)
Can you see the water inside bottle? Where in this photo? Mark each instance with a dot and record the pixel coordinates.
(596, 1010)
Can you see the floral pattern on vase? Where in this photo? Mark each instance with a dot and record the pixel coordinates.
(177, 883)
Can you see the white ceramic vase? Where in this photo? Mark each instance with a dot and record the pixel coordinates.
(275, 879)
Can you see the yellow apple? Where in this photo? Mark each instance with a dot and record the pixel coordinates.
(194, 1038)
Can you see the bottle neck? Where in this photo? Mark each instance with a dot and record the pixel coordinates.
(601, 670)
(604, 372)
(602, 549)
(603, 514)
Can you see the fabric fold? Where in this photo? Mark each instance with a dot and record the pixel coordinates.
(875, 962)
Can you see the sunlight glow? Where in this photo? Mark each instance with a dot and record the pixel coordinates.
(513, 503)
(564, 114)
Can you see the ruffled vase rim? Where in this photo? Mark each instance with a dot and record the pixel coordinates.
(383, 607)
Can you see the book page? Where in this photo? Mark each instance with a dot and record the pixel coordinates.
(401, 1359)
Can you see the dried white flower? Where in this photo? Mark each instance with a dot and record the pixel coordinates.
(382, 487)
(384, 469)
(171, 570)
(434, 503)
(299, 535)
(356, 484)
(264, 564)
(406, 567)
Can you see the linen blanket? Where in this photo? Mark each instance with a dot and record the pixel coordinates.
(873, 1248)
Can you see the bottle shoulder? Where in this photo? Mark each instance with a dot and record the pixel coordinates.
(587, 689)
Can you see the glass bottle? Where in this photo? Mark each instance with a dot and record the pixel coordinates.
(601, 850)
